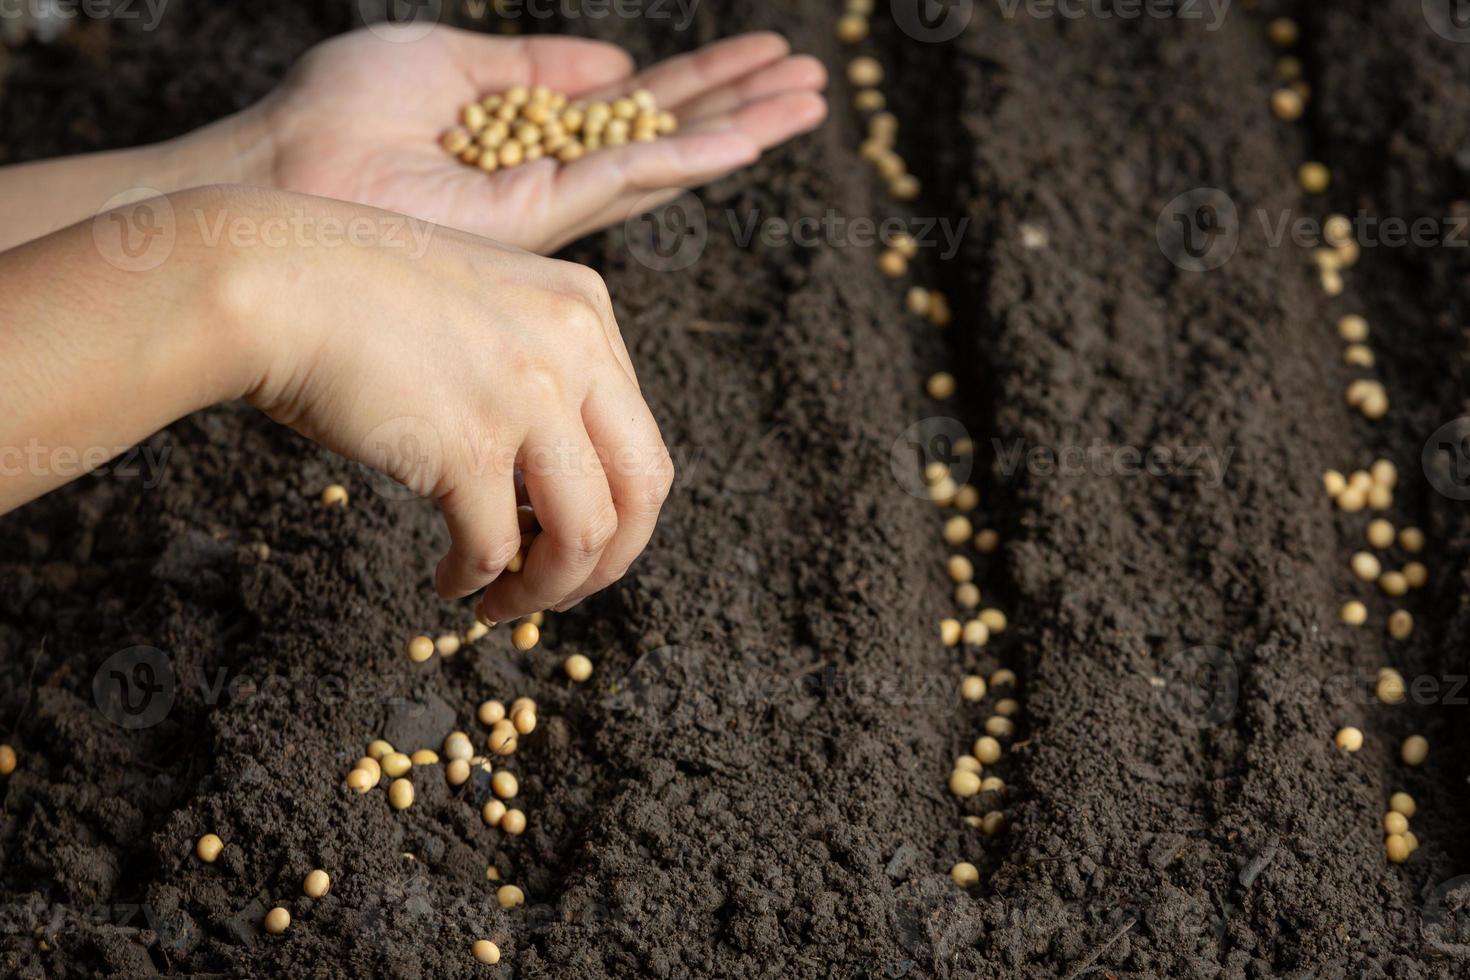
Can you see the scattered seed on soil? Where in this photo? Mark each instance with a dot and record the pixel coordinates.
(957, 530)
(940, 385)
(400, 794)
(525, 636)
(1365, 566)
(972, 688)
(1286, 104)
(1395, 823)
(457, 746)
(486, 952)
(334, 496)
(992, 823)
(524, 720)
(457, 772)
(1389, 688)
(869, 100)
(1411, 840)
(992, 784)
(963, 783)
(1416, 574)
(514, 822)
(1411, 539)
(865, 72)
(1400, 624)
(987, 750)
(1353, 328)
(277, 921)
(578, 667)
(1005, 677)
(447, 644)
(966, 498)
(1349, 739)
(509, 896)
(999, 726)
(975, 633)
(1393, 583)
(1415, 750)
(424, 757)
(949, 632)
(492, 873)
(8, 760)
(968, 763)
(316, 884)
(420, 648)
(1379, 533)
(503, 738)
(1354, 613)
(967, 594)
(964, 874)
(490, 712)
(994, 620)
(208, 848)
(1333, 482)
(1403, 803)
(505, 785)
(1384, 473)
(492, 813)
(1396, 848)
(987, 540)
(959, 568)
(396, 764)
(1358, 355)
(1314, 177)
(1283, 32)
(361, 780)
(1008, 707)
(1379, 497)
(378, 748)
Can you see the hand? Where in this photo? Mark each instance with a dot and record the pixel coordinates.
(497, 364)
(359, 119)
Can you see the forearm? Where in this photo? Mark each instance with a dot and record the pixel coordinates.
(97, 357)
(39, 198)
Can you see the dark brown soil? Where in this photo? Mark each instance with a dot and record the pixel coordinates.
(753, 783)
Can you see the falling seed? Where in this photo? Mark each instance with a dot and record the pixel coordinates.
(1314, 177)
(967, 594)
(851, 28)
(941, 385)
(868, 100)
(1334, 483)
(492, 813)
(975, 633)
(992, 823)
(1379, 533)
(1393, 583)
(1416, 574)
(998, 726)
(865, 72)
(1358, 355)
(957, 530)
(316, 884)
(987, 540)
(1411, 539)
(1349, 739)
(968, 763)
(525, 636)
(1403, 803)
(1389, 688)
(1005, 677)
(1353, 328)
(1287, 105)
(950, 632)
(1353, 613)
(578, 668)
(420, 648)
(1414, 750)
(277, 921)
(994, 620)
(964, 874)
(972, 688)
(8, 760)
(1395, 823)
(1366, 566)
(447, 644)
(334, 495)
(959, 568)
(208, 848)
(966, 498)
(1283, 32)
(1400, 624)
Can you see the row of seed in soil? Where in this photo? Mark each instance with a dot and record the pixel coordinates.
(972, 778)
(1361, 492)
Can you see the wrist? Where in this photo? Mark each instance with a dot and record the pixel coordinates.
(239, 149)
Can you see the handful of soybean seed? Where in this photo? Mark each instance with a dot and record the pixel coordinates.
(523, 124)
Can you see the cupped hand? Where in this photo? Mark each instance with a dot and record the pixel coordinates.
(503, 372)
(360, 116)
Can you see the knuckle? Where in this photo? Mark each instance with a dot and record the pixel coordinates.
(492, 562)
(595, 531)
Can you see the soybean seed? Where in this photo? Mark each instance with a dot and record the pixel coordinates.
(505, 785)
(457, 773)
(1396, 848)
(1403, 803)
(502, 740)
(992, 823)
(869, 100)
(335, 495)
(1416, 574)
(514, 822)
(400, 794)
(959, 568)
(1384, 473)
(987, 540)
(1395, 823)
(509, 896)
(968, 763)
(964, 874)
(1414, 750)
(277, 921)
(966, 498)
(396, 764)
(1005, 677)
(316, 884)
(1287, 105)
(447, 644)
(1334, 483)
(1411, 539)
(525, 636)
(361, 780)
(1353, 613)
(371, 766)
(940, 385)
(1349, 739)
(490, 712)
(957, 530)
(578, 668)
(208, 848)
(949, 632)
(963, 783)
(975, 633)
(1353, 328)
(905, 187)
(999, 726)
(1365, 566)
(967, 594)
(1283, 32)
(8, 760)
(1393, 583)
(1008, 707)
(939, 311)
(1380, 497)
(1400, 624)
(420, 648)
(851, 28)
(486, 952)
(492, 813)
(457, 746)
(1314, 177)
(994, 620)
(1411, 840)
(492, 873)
(425, 757)
(1379, 533)
(972, 688)
(987, 750)
(524, 720)
(865, 72)
(1358, 355)
(992, 784)
(1389, 688)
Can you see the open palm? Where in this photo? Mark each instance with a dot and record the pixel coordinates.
(360, 116)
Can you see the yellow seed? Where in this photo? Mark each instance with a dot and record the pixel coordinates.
(939, 312)
(486, 952)
(959, 568)
(1379, 533)
(524, 720)
(334, 496)
(949, 632)
(1414, 750)
(277, 921)
(1334, 483)
(316, 884)
(1411, 840)
(1358, 355)
(1396, 848)
(502, 740)
(1380, 497)
(1353, 328)
(1007, 707)
(378, 748)
(208, 848)
(400, 794)
(1411, 539)
(1366, 566)
(1337, 230)
(1353, 613)
(957, 530)
(447, 644)
(992, 784)
(492, 813)
(509, 896)
(457, 745)
(424, 757)
(371, 766)
(892, 264)
(514, 822)
(455, 140)
(940, 385)
(994, 620)
(1286, 104)
(865, 72)
(1314, 177)
(1403, 803)
(992, 823)
(578, 668)
(457, 773)
(1283, 32)
(987, 540)
(972, 688)
(523, 704)
(525, 636)
(851, 28)
(1374, 406)
(1384, 473)
(505, 785)
(987, 750)
(510, 153)
(1395, 823)
(1349, 739)
(964, 783)
(361, 780)
(8, 760)
(492, 873)
(944, 492)
(966, 498)
(1393, 583)
(1400, 624)
(967, 594)
(1288, 68)
(490, 712)
(964, 874)
(570, 152)
(1352, 500)
(420, 648)
(1390, 687)
(999, 726)
(1416, 574)
(396, 764)
(1005, 677)
(975, 633)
